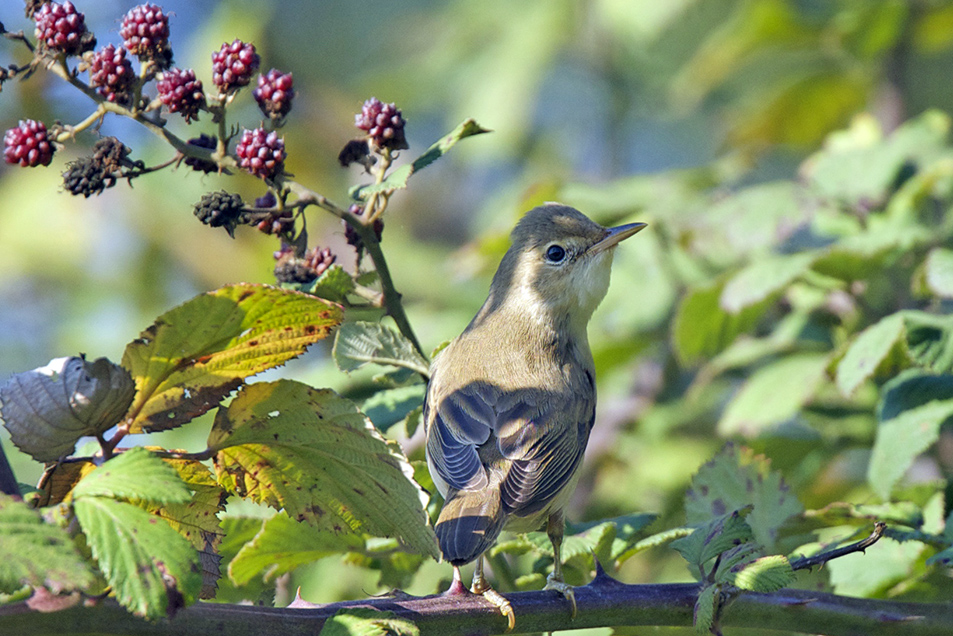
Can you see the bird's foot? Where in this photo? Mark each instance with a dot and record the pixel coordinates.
(497, 599)
(554, 582)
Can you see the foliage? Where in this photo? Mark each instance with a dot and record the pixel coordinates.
(806, 319)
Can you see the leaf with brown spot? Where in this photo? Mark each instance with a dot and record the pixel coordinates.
(196, 354)
(326, 450)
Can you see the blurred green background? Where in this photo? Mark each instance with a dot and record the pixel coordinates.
(627, 109)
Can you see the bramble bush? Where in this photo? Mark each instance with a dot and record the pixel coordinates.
(805, 319)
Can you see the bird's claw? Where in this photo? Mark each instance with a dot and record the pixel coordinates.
(500, 601)
(554, 582)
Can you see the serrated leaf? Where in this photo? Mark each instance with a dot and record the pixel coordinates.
(714, 537)
(736, 478)
(868, 352)
(283, 544)
(362, 621)
(703, 617)
(333, 284)
(145, 561)
(58, 481)
(930, 340)
(36, 553)
(360, 343)
(313, 453)
(774, 394)
(398, 177)
(767, 574)
(48, 409)
(199, 352)
(938, 272)
(134, 474)
(702, 328)
(761, 279)
(911, 411)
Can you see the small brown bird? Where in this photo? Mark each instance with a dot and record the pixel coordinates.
(512, 399)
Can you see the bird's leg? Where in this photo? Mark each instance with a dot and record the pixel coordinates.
(555, 528)
(481, 587)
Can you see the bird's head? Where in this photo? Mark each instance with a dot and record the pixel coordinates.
(558, 264)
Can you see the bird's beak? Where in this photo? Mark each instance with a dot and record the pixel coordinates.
(614, 235)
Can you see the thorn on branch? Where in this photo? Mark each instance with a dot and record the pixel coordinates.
(823, 557)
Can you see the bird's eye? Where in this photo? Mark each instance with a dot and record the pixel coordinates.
(555, 253)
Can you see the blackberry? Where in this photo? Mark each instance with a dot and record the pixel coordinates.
(62, 29)
(291, 269)
(233, 65)
(351, 235)
(29, 144)
(181, 92)
(111, 74)
(274, 94)
(202, 141)
(92, 175)
(221, 209)
(145, 34)
(383, 123)
(261, 153)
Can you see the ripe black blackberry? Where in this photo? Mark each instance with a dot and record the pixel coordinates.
(234, 65)
(91, 175)
(383, 123)
(145, 34)
(261, 153)
(29, 144)
(274, 94)
(291, 269)
(181, 92)
(202, 141)
(62, 29)
(111, 74)
(221, 209)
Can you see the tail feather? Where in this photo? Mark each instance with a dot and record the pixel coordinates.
(469, 524)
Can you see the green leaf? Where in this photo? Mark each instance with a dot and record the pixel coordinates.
(774, 394)
(313, 453)
(938, 271)
(767, 574)
(702, 328)
(398, 177)
(199, 352)
(134, 474)
(333, 284)
(736, 478)
(930, 340)
(148, 564)
(874, 571)
(363, 621)
(36, 553)
(48, 409)
(762, 279)
(869, 351)
(704, 614)
(606, 539)
(653, 541)
(714, 537)
(386, 408)
(283, 544)
(912, 409)
(360, 343)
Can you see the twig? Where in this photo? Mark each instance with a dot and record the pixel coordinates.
(821, 558)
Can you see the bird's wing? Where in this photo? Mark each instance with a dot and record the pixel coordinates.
(540, 439)
(543, 437)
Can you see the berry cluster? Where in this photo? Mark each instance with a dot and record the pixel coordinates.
(145, 34)
(353, 238)
(29, 144)
(91, 175)
(111, 74)
(181, 92)
(233, 65)
(383, 123)
(221, 209)
(274, 94)
(261, 153)
(62, 29)
(292, 269)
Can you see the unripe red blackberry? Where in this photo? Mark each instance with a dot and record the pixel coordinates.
(274, 94)
(111, 74)
(383, 123)
(181, 92)
(145, 33)
(234, 65)
(61, 28)
(351, 235)
(28, 144)
(261, 153)
(291, 269)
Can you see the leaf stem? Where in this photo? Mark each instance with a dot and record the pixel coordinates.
(821, 558)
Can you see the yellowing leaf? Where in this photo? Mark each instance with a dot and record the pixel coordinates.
(313, 453)
(199, 352)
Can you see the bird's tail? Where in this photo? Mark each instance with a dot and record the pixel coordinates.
(469, 524)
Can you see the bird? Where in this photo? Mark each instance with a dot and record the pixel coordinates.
(511, 401)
